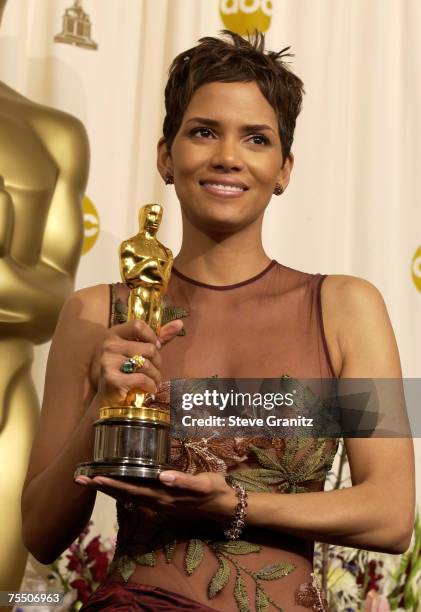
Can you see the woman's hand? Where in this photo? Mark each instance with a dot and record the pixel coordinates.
(123, 341)
(175, 494)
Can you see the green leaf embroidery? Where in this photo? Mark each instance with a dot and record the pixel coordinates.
(274, 571)
(194, 555)
(119, 311)
(240, 595)
(252, 486)
(291, 474)
(251, 480)
(265, 460)
(220, 578)
(126, 567)
(148, 559)
(170, 550)
(262, 601)
(237, 547)
(170, 313)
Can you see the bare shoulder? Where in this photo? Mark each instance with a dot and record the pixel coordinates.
(83, 321)
(357, 324)
(348, 297)
(90, 303)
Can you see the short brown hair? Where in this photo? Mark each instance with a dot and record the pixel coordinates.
(230, 61)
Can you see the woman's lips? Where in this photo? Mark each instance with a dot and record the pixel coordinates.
(222, 190)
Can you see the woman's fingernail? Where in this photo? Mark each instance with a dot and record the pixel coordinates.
(167, 478)
(158, 344)
(81, 482)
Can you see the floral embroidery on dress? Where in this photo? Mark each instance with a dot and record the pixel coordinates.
(283, 469)
(311, 595)
(170, 313)
(306, 464)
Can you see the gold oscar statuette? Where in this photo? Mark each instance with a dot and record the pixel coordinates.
(132, 439)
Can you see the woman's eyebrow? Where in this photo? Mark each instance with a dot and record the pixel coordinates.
(255, 127)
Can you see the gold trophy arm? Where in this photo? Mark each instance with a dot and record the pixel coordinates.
(139, 270)
(169, 265)
(30, 299)
(66, 141)
(128, 261)
(30, 296)
(146, 273)
(7, 219)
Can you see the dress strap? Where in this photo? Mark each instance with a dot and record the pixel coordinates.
(119, 294)
(321, 279)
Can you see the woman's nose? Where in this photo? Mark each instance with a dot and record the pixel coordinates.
(226, 156)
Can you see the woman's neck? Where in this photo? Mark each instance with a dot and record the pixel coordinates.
(221, 260)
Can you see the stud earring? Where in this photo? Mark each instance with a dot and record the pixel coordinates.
(169, 179)
(279, 190)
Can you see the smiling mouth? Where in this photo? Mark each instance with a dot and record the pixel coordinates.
(222, 188)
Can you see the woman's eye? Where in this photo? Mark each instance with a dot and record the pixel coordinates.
(205, 132)
(260, 139)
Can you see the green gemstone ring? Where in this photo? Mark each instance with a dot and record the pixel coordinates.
(132, 364)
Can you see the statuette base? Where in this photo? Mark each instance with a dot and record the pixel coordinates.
(128, 447)
(113, 470)
(145, 413)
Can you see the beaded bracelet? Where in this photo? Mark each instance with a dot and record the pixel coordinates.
(233, 532)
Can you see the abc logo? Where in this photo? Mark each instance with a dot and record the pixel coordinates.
(90, 225)
(416, 268)
(245, 16)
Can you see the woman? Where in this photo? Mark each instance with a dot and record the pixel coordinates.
(231, 111)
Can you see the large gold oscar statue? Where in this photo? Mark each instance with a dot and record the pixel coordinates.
(44, 161)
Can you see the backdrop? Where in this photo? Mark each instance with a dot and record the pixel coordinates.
(352, 206)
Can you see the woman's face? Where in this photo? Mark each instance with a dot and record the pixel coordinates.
(226, 157)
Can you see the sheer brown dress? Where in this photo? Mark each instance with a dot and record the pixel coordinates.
(266, 327)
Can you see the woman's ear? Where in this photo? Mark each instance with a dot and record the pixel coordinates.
(285, 173)
(164, 161)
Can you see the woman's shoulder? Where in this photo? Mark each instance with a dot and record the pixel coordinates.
(356, 322)
(89, 303)
(344, 295)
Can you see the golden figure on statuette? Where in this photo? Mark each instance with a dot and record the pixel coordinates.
(44, 159)
(132, 439)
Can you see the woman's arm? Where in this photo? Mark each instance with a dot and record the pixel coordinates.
(377, 512)
(83, 374)
(54, 509)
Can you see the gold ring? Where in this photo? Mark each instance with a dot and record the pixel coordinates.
(139, 360)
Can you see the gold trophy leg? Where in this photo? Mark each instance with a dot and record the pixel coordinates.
(19, 417)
